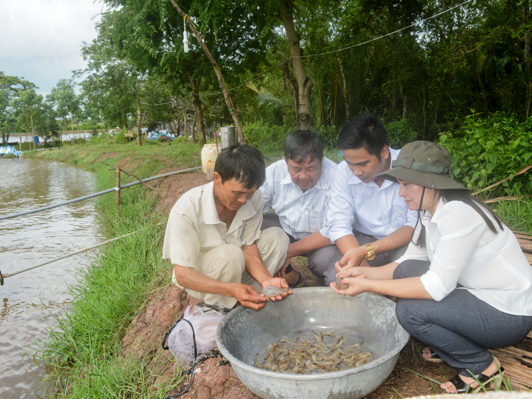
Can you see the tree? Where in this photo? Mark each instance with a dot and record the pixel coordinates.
(28, 108)
(150, 36)
(10, 86)
(65, 101)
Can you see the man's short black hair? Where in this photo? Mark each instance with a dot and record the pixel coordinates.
(364, 131)
(243, 163)
(301, 144)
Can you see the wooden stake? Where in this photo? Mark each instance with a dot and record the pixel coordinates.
(117, 190)
(20, 143)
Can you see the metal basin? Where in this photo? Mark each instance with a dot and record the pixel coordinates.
(244, 334)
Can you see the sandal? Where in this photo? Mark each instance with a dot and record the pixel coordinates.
(299, 280)
(483, 380)
(434, 357)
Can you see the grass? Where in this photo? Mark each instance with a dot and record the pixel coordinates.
(517, 214)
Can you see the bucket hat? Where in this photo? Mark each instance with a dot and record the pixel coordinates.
(423, 163)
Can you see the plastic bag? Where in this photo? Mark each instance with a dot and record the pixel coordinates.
(181, 342)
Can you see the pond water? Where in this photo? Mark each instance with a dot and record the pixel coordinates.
(31, 300)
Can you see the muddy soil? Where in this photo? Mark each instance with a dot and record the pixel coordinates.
(216, 380)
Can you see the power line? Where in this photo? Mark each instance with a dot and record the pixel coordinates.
(386, 35)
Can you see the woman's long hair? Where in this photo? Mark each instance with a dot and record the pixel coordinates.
(465, 196)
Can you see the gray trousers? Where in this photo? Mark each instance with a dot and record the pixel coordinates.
(318, 260)
(460, 327)
(381, 259)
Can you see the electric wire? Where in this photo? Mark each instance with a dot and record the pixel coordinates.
(383, 36)
(110, 190)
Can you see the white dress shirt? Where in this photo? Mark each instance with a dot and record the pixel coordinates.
(300, 213)
(194, 227)
(463, 250)
(378, 211)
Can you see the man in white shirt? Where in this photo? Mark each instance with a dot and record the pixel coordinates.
(214, 239)
(296, 188)
(384, 225)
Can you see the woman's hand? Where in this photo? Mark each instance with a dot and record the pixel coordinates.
(353, 257)
(355, 285)
(356, 271)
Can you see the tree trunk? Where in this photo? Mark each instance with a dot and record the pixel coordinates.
(32, 130)
(322, 113)
(404, 99)
(223, 87)
(198, 114)
(194, 136)
(424, 112)
(528, 86)
(344, 86)
(139, 123)
(300, 84)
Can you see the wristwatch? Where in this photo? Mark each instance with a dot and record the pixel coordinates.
(371, 252)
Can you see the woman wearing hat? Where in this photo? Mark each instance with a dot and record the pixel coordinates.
(463, 284)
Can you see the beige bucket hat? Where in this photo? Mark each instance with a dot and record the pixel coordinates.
(423, 163)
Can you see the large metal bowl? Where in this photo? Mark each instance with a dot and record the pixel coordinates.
(244, 334)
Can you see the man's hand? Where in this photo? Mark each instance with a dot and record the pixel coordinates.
(353, 257)
(248, 297)
(281, 272)
(277, 282)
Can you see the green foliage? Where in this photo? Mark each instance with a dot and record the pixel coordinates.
(400, 133)
(120, 138)
(487, 150)
(328, 134)
(267, 137)
(270, 138)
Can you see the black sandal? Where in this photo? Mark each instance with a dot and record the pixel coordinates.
(483, 380)
(299, 280)
(434, 357)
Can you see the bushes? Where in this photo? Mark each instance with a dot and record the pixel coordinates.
(485, 151)
(400, 133)
(270, 138)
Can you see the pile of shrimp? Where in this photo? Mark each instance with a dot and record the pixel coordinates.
(303, 356)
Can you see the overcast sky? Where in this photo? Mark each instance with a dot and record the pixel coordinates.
(41, 40)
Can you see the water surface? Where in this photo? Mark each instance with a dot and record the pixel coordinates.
(31, 299)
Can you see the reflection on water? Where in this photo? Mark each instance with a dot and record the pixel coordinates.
(31, 300)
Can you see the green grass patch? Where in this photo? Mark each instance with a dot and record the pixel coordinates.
(84, 350)
(517, 214)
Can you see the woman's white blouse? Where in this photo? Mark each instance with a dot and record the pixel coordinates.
(464, 252)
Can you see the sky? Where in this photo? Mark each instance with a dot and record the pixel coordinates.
(41, 40)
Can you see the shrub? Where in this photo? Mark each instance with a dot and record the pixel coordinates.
(266, 137)
(485, 151)
(120, 138)
(400, 133)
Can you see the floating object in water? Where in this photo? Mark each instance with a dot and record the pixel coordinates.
(272, 290)
(303, 356)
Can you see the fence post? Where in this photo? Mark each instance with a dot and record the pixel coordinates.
(20, 143)
(117, 188)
